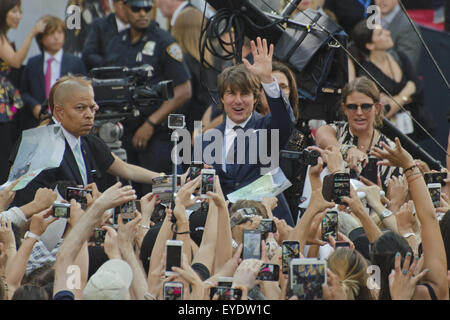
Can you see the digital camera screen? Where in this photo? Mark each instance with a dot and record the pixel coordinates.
(207, 183)
(173, 293)
(330, 225)
(252, 245)
(291, 250)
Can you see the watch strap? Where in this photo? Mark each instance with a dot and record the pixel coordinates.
(30, 234)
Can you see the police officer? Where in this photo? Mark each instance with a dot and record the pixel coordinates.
(147, 139)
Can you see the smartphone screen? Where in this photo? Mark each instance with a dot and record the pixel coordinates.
(226, 293)
(173, 254)
(252, 244)
(61, 210)
(267, 225)
(127, 210)
(207, 183)
(158, 213)
(435, 177)
(269, 272)
(290, 250)
(341, 186)
(173, 291)
(330, 225)
(77, 193)
(307, 278)
(435, 194)
(195, 170)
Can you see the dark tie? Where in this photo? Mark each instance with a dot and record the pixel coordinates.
(232, 168)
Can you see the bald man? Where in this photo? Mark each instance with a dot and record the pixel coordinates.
(73, 106)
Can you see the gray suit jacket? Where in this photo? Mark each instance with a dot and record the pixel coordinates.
(405, 39)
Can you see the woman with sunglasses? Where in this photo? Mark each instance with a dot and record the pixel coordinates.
(356, 137)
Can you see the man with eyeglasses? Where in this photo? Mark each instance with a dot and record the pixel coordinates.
(147, 138)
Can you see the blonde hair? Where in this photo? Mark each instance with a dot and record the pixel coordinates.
(351, 268)
(187, 30)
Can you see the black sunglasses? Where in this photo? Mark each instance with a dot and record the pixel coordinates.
(136, 9)
(365, 107)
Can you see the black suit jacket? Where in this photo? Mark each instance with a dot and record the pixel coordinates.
(102, 31)
(32, 87)
(96, 155)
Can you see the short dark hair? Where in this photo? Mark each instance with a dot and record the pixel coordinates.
(30, 292)
(361, 35)
(238, 78)
(5, 7)
(51, 25)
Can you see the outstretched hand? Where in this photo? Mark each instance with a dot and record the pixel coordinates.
(262, 57)
(397, 157)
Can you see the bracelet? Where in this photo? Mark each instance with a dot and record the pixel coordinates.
(413, 174)
(412, 180)
(149, 296)
(145, 227)
(410, 168)
(409, 234)
(186, 232)
(150, 122)
(11, 247)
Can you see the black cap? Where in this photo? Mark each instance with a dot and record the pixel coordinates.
(139, 3)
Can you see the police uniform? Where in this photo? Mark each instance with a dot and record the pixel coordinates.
(158, 49)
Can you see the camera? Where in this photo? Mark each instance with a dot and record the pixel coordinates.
(176, 121)
(162, 186)
(305, 157)
(267, 225)
(78, 194)
(116, 87)
(252, 244)
(98, 237)
(61, 210)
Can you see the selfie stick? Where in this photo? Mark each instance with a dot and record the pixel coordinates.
(175, 137)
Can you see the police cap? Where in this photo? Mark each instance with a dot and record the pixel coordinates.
(139, 3)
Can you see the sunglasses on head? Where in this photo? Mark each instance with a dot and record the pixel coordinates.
(138, 9)
(364, 106)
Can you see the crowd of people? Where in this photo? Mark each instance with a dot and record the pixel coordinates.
(386, 218)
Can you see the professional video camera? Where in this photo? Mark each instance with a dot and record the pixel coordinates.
(120, 88)
(122, 93)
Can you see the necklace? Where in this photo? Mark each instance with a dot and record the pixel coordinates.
(390, 68)
(370, 144)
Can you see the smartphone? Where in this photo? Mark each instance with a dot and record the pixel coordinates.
(370, 171)
(290, 250)
(306, 278)
(342, 244)
(341, 186)
(435, 193)
(330, 225)
(226, 293)
(127, 210)
(267, 225)
(159, 213)
(207, 183)
(435, 177)
(204, 207)
(174, 248)
(225, 282)
(98, 237)
(78, 194)
(269, 272)
(173, 290)
(247, 212)
(195, 169)
(176, 121)
(252, 244)
(61, 210)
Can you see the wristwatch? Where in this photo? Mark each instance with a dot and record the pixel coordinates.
(385, 214)
(29, 234)
(408, 234)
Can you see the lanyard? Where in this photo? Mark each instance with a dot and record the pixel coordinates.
(365, 4)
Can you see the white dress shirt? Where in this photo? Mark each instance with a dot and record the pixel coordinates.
(56, 65)
(120, 25)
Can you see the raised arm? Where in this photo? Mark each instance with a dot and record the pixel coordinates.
(432, 243)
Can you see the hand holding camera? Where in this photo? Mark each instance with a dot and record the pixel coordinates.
(128, 231)
(40, 221)
(184, 194)
(111, 242)
(116, 196)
